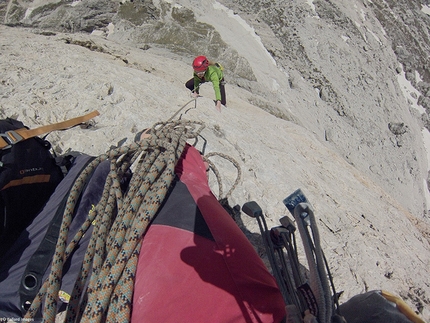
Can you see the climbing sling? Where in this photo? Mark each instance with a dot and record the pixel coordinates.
(13, 137)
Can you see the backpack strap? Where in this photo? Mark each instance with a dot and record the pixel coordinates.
(32, 279)
(12, 137)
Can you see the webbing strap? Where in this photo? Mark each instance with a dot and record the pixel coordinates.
(12, 137)
(402, 307)
(42, 178)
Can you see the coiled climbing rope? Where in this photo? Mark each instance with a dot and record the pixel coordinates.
(207, 157)
(119, 223)
(218, 176)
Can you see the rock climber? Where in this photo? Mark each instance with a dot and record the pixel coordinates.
(206, 71)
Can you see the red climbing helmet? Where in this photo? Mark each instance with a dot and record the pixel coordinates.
(200, 63)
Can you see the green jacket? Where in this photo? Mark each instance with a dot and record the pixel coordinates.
(213, 74)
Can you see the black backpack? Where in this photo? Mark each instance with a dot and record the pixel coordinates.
(29, 175)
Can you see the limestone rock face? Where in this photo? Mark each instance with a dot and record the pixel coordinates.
(327, 96)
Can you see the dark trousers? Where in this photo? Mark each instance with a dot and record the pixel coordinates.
(190, 86)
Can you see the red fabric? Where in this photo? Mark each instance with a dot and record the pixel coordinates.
(183, 277)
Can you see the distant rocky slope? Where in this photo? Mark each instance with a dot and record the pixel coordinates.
(340, 66)
(329, 96)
